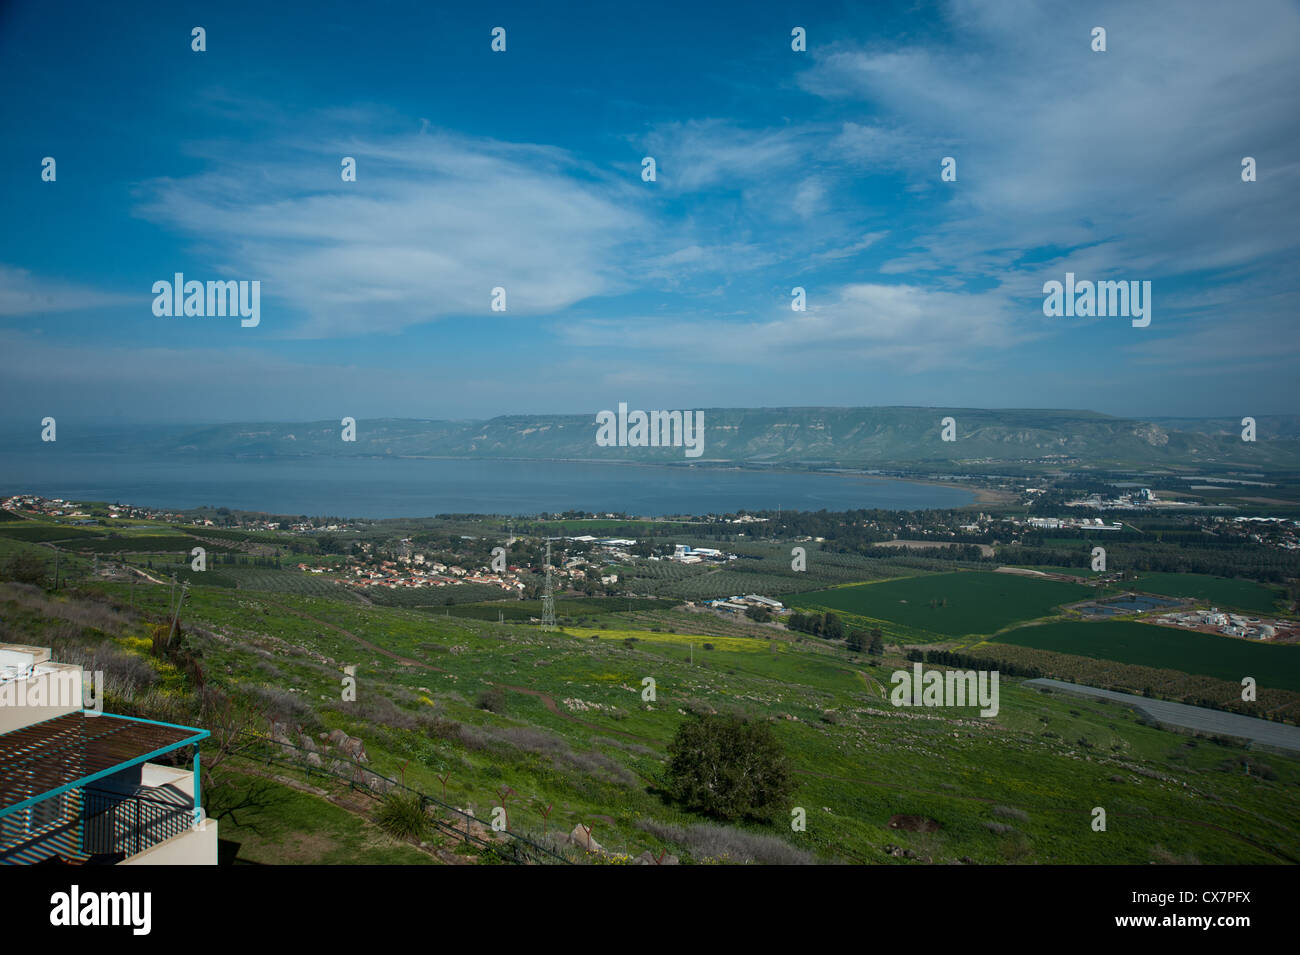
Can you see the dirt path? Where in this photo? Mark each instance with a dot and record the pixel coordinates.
(146, 576)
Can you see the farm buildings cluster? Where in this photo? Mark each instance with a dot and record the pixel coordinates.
(747, 603)
(1228, 624)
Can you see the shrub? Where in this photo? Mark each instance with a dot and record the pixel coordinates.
(27, 568)
(728, 844)
(728, 766)
(403, 816)
(283, 706)
(493, 699)
(376, 708)
(1009, 812)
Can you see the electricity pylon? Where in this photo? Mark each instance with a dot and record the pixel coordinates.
(548, 599)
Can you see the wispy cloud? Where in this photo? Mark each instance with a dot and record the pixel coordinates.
(22, 293)
(432, 225)
(911, 328)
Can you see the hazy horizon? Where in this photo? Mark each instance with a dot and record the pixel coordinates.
(16, 424)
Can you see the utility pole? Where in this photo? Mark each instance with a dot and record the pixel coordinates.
(177, 615)
(548, 598)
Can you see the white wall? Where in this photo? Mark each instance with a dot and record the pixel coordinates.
(59, 684)
(192, 847)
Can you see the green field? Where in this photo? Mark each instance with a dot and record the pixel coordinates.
(149, 544)
(523, 610)
(944, 605)
(1222, 591)
(573, 732)
(35, 533)
(1226, 658)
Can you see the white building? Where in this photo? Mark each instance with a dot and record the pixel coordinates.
(78, 786)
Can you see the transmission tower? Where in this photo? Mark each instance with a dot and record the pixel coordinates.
(548, 599)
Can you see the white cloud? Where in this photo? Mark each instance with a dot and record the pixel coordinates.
(432, 225)
(716, 154)
(890, 327)
(22, 293)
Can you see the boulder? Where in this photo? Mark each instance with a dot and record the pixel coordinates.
(581, 836)
(354, 749)
(280, 733)
(649, 858)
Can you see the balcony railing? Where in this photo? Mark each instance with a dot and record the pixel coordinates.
(129, 823)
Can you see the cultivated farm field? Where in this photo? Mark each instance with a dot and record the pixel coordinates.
(1125, 641)
(937, 606)
(1224, 592)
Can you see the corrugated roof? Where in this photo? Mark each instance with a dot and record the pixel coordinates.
(74, 749)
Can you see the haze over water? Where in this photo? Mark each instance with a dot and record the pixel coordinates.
(398, 487)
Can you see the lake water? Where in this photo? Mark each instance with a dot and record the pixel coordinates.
(1131, 603)
(378, 488)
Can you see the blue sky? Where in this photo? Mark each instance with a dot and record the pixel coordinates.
(522, 169)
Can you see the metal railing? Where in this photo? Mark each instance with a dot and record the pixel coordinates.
(129, 823)
(514, 848)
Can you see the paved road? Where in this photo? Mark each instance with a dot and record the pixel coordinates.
(1198, 718)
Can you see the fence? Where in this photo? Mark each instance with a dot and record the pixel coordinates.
(515, 848)
(120, 822)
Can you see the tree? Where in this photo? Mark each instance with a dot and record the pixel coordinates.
(729, 766)
(27, 567)
(877, 646)
(857, 640)
(832, 629)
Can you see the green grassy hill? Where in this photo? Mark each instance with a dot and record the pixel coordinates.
(569, 730)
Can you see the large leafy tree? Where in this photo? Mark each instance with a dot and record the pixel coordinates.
(729, 767)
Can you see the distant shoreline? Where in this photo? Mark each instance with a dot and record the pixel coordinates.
(412, 487)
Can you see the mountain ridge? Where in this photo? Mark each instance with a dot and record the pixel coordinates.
(858, 437)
